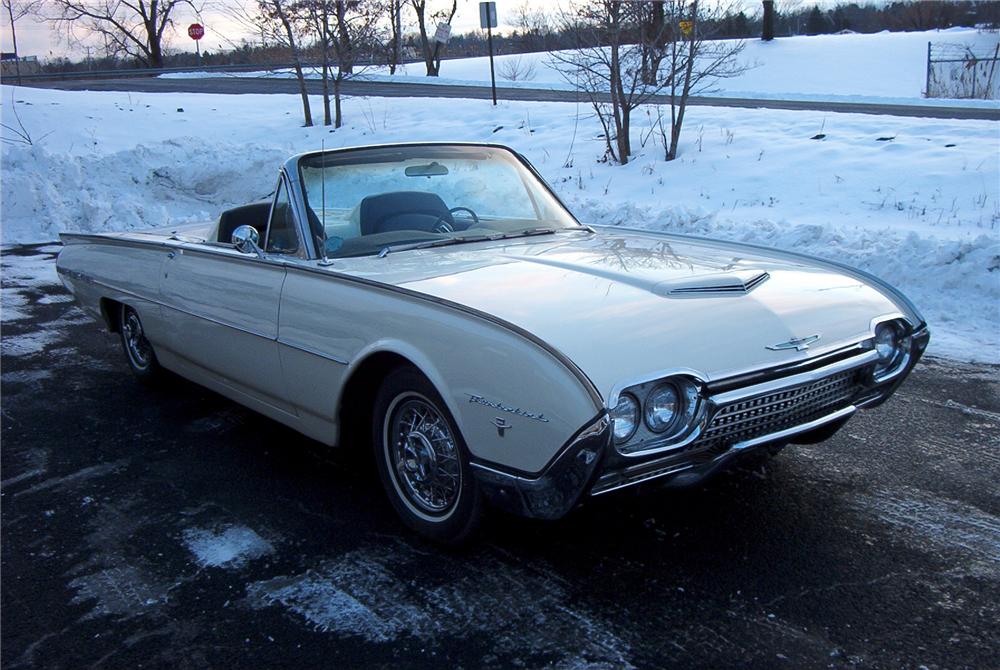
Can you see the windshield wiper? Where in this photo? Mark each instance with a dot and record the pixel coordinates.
(444, 242)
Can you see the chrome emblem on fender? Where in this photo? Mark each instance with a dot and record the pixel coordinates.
(517, 411)
(797, 343)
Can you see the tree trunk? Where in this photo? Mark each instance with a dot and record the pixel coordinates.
(339, 118)
(767, 28)
(395, 9)
(13, 37)
(297, 60)
(306, 110)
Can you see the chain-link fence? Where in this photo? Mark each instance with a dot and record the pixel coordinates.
(961, 71)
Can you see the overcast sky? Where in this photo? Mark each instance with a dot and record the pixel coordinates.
(38, 39)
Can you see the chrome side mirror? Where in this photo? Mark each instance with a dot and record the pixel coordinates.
(246, 239)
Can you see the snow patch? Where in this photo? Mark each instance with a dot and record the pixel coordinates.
(232, 547)
(368, 594)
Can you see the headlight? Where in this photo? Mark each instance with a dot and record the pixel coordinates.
(625, 416)
(892, 345)
(662, 407)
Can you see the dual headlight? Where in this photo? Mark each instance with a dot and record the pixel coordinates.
(664, 409)
(892, 344)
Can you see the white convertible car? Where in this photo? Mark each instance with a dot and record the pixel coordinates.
(439, 302)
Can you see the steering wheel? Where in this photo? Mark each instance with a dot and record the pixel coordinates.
(442, 226)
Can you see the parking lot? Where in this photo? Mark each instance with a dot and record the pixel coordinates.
(173, 528)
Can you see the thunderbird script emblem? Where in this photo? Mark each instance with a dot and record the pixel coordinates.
(797, 343)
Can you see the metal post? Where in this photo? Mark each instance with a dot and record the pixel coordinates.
(197, 49)
(493, 79)
(927, 87)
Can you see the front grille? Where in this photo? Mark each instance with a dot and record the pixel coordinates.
(776, 411)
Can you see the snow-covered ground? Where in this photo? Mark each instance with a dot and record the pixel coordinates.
(882, 67)
(915, 201)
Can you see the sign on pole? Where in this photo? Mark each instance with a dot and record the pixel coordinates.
(196, 31)
(443, 33)
(487, 15)
(488, 21)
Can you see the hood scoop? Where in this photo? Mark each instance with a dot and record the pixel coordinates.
(730, 284)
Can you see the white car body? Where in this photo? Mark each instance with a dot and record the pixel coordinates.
(529, 341)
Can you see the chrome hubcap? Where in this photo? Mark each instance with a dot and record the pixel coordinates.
(423, 456)
(135, 341)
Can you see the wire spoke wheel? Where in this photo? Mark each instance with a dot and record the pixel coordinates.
(423, 455)
(136, 344)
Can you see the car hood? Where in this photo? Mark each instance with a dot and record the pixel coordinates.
(627, 305)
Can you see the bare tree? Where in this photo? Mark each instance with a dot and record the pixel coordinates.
(395, 13)
(17, 10)
(137, 28)
(607, 64)
(694, 62)
(276, 22)
(343, 27)
(516, 68)
(431, 48)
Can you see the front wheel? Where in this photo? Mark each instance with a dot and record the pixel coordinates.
(422, 460)
(138, 350)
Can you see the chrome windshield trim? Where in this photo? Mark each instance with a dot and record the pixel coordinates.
(794, 380)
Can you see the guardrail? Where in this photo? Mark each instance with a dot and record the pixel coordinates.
(153, 71)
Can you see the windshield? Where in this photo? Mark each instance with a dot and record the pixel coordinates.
(371, 201)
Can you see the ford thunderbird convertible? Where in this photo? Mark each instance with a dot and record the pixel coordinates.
(439, 304)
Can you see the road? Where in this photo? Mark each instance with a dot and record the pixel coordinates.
(170, 528)
(237, 85)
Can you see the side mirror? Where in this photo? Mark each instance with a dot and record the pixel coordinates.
(246, 239)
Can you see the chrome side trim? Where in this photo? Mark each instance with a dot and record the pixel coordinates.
(314, 352)
(842, 413)
(794, 380)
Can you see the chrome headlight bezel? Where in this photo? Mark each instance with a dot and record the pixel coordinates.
(627, 407)
(680, 429)
(893, 343)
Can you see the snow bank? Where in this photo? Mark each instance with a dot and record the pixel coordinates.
(914, 201)
(879, 68)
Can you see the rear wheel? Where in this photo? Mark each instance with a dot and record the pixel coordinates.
(422, 460)
(138, 351)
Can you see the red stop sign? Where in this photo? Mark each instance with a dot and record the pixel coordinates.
(196, 31)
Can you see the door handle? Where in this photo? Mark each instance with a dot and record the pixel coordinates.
(171, 254)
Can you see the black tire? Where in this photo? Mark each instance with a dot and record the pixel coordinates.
(410, 467)
(138, 351)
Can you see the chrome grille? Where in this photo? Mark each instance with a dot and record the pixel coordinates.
(776, 411)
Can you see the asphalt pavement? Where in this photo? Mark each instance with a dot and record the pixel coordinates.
(356, 87)
(172, 528)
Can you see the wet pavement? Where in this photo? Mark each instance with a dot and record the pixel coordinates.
(172, 527)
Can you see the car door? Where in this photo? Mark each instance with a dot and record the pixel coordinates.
(223, 307)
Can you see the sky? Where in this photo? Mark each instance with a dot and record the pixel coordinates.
(38, 38)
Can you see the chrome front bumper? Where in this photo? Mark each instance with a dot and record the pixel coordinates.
(777, 408)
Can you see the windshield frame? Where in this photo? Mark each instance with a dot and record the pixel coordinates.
(295, 164)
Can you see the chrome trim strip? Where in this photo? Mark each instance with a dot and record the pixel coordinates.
(639, 480)
(794, 430)
(794, 380)
(732, 451)
(729, 397)
(312, 351)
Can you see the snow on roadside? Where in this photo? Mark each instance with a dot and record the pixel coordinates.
(914, 201)
(886, 67)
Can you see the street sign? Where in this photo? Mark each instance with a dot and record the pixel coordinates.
(487, 15)
(443, 33)
(196, 31)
